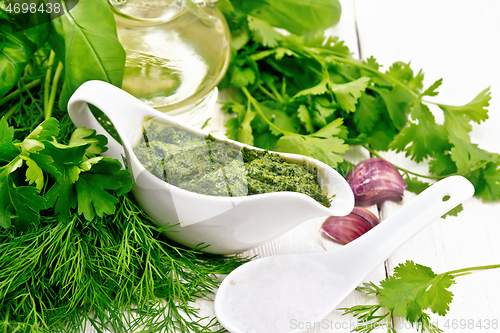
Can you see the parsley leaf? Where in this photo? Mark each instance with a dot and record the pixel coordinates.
(263, 32)
(347, 94)
(58, 176)
(454, 211)
(409, 292)
(324, 145)
(488, 185)
(245, 130)
(304, 83)
(415, 185)
(457, 118)
(368, 111)
(305, 118)
(423, 139)
(404, 73)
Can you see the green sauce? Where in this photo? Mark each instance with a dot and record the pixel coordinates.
(206, 166)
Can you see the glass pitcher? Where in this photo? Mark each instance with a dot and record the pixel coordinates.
(177, 51)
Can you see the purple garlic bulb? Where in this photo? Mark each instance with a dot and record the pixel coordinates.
(375, 180)
(344, 229)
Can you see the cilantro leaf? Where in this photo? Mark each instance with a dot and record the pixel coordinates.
(489, 190)
(319, 89)
(232, 125)
(404, 74)
(278, 52)
(347, 94)
(368, 111)
(397, 102)
(457, 118)
(410, 291)
(423, 139)
(325, 150)
(442, 164)
(324, 145)
(467, 155)
(328, 43)
(245, 130)
(7, 147)
(263, 32)
(439, 295)
(415, 185)
(241, 77)
(414, 288)
(382, 135)
(322, 113)
(266, 140)
(372, 62)
(278, 117)
(454, 211)
(305, 118)
(431, 91)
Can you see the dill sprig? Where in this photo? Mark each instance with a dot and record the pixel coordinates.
(118, 273)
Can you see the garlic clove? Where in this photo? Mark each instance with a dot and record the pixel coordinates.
(344, 229)
(375, 180)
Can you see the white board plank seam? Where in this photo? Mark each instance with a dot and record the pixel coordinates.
(360, 52)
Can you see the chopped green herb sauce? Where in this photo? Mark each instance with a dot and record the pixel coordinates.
(204, 165)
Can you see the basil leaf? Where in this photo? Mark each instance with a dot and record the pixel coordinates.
(15, 52)
(297, 16)
(91, 47)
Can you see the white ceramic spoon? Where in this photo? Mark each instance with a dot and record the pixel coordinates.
(319, 282)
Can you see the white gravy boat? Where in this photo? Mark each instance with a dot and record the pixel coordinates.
(227, 224)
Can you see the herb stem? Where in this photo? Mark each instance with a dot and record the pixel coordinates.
(53, 90)
(17, 92)
(361, 65)
(11, 111)
(265, 91)
(374, 153)
(275, 91)
(468, 270)
(48, 76)
(257, 107)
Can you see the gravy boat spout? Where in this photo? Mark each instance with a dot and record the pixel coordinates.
(226, 224)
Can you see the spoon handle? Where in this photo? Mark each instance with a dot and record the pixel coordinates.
(379, 243)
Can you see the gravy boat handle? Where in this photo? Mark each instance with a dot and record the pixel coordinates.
(125, 112)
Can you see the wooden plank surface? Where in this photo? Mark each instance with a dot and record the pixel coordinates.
(453, 40)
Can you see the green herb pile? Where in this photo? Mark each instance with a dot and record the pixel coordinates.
(75, 249)
(306, 94)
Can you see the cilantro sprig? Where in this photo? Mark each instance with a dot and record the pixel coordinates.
(408, 293)
(308, 95)
(39, 173)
